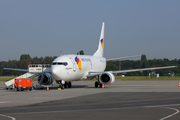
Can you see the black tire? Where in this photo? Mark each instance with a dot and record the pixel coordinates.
(22, 89)
(30, 88)
(65, 85)
(17, 89)
(69, 85)
(100, 85)
(96, 84)
(61, 86)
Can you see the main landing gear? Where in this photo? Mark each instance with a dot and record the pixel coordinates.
(98, 84)
(67, 84)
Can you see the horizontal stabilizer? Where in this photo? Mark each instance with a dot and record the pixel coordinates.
(112, 59)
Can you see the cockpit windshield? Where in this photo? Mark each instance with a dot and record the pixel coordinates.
(60, 63)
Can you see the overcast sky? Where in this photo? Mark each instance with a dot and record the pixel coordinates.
(132, 27)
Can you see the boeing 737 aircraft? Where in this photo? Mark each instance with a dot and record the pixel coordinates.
(68, 68)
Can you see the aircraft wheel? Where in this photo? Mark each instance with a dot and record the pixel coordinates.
(61, 86)
(96, 84)
(69, 84)
(30, 89)
(100, 85)
(65, 85)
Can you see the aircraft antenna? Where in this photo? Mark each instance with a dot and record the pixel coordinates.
(61, 53)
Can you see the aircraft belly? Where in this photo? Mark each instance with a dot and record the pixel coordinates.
(72, 76)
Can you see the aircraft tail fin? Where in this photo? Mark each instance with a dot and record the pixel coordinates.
(99, 52)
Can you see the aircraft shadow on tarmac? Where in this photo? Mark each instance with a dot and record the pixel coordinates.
(54, 87)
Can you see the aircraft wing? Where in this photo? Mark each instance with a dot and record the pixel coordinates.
(112, 59)
(90, 74)
(143, 69)
(23, 70)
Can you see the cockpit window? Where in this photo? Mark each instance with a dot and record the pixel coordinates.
(60, 63)
(65, 63)
(54, 63)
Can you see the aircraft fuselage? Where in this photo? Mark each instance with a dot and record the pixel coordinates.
(76, 67)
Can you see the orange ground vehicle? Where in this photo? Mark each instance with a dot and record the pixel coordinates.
(23, 83)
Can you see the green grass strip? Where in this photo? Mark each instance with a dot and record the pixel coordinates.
(126, 78)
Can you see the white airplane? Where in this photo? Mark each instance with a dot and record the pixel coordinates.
(68, 68)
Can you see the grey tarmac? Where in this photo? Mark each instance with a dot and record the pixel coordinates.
(128, 100)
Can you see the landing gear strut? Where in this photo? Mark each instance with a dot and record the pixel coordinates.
(98, 84)
(63, 84)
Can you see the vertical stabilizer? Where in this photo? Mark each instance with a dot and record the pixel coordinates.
(99, 52)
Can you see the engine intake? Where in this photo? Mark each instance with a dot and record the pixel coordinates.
(106, 78)
(46, 80)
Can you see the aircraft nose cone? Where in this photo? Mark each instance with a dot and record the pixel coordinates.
(55, 72)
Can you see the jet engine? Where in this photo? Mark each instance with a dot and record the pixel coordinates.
(45, 79)
(106, 78)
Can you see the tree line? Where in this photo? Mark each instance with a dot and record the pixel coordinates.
(26, 59)
(23, 63)
(144, 63)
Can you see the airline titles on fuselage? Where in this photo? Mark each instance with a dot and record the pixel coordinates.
(86, 59)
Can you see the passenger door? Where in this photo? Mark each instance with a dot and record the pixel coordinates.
(74, 64)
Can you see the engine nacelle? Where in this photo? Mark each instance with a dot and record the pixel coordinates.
(46, 80)
(106, 78)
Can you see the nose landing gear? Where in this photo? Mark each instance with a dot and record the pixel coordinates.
(67, 85)
(63, 85)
